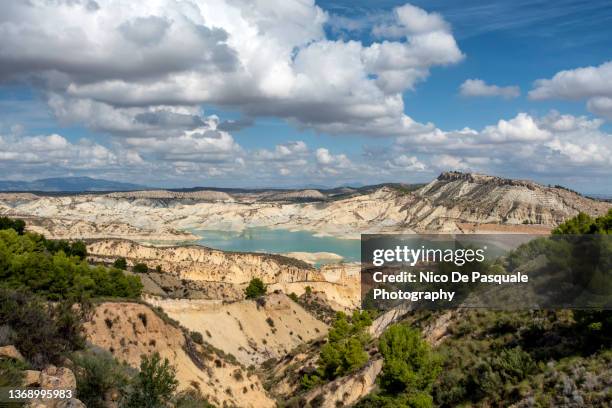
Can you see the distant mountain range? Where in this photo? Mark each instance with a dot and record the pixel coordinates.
(68, 184)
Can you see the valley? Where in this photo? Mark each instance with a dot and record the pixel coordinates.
(254, 352)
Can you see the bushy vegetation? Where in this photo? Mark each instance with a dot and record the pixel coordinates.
(191, 399)
(45, 292)
(585, 224)
(74, 248)
(100, 378)
(255, 289)
(546, 357)
(120, 263)
(345, 350)
(409, 370)
(501, 358)
(409, 364)
(9, 223)
(140, 268)
(31, 262)
(197, 337)
(155, 384)
(98, 374)
(11, 373)
(41, 331)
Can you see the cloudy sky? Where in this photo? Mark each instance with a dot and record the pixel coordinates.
(292, 92)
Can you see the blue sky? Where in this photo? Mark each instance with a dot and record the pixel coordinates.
(337, 92)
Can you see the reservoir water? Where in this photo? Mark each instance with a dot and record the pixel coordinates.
(279, 241)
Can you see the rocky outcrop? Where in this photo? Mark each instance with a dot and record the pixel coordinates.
(52, 377)
(204, 195)
(10, 352)
(347, 390)
(300, 195)
(57, 228)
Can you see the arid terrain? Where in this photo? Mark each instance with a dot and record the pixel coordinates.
(193, 289)
(447, 204)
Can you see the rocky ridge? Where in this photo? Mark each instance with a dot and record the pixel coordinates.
(446, 204)
(213, 274)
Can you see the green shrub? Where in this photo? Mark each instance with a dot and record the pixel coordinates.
(255, 289)
(8, 223)
(513, 365)
(409, 363)
(97, 374)
(197, 337)
(344, 351)
(11, 372)
(75, 248)
(140, 268)
(154, 385)
(42, 332)
(120, 263)
(27, 262)
(191, 399)
(585, 224)
(294, 297)
(411, 400)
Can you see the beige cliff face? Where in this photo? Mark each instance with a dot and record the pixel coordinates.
(199, 263)
(446, 204)
(347, 390)
(252, 331)
(223, 275)
(129, 330)
(54, 228)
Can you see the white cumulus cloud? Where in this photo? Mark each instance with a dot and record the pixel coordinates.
(122, 58)
(594, 84)
(478, 87)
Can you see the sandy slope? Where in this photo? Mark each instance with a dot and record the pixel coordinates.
(252, 331)
(129, 330)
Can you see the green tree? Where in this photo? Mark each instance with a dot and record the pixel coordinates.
(78, 249)
(140, 268)
(120, 263)
(48, 269)
(410, 367)
(596, 323)
(585, 224)
(8, 223)
(154, 385)
(255, 289)
(344, 351)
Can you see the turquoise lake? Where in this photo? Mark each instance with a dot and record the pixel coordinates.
(279, 241)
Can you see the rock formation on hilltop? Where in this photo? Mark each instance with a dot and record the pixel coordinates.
(455, 199)
(203, 195)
